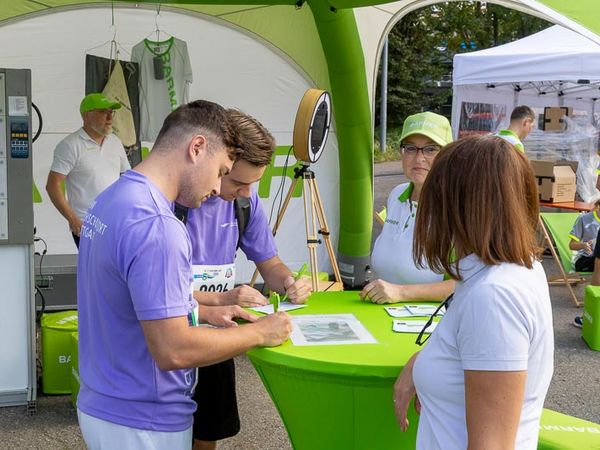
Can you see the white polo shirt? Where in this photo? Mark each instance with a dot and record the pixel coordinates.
(500, 320)
(392, 258)
(89, 167)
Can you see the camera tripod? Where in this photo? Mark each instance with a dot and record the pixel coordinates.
(313, 213)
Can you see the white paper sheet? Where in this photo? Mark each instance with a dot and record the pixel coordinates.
(329, 329)
(284, 306)
(398, 311)
(412, 326)
(424, 310)
(413, 310)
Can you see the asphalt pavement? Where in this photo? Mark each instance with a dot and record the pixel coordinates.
(575, 387)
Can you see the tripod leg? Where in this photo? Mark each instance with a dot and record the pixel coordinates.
(325, 231)
(278, 221)
(284, 206)
(311, 236)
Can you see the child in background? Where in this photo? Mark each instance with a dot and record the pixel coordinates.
(583, 239)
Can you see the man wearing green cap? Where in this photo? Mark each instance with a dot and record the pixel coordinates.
(88, 160)
(399, 279)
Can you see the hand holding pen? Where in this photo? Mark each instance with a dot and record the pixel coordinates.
(298, 288)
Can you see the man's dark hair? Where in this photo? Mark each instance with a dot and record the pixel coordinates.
(522, 112)
(200, 117)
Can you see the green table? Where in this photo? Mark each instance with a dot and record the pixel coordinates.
(339, 397)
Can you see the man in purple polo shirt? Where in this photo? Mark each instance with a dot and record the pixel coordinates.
(214, 233)
(136, 342)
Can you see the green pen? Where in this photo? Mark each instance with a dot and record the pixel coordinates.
(300, 273)
(275, 301)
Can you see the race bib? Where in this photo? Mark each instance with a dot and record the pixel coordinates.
(214, 278)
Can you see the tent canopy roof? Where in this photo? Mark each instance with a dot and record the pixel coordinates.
(554, 54)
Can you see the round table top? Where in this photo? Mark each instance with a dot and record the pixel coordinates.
(383, 359)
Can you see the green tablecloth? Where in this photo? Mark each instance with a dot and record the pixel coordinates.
(340, 396)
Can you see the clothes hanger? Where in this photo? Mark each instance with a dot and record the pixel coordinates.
(115, 47)
(157, 29)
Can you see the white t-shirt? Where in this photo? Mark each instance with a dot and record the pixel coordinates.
(89, 167)
(159, 97)
(500, 320)
(392, 258)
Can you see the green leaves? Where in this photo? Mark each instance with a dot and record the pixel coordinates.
(421, 47)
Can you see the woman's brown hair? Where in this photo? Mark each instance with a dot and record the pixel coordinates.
(480, 197)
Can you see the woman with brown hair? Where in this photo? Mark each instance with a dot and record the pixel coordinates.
(483, 376)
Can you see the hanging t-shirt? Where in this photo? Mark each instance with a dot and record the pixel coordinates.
(165, 76)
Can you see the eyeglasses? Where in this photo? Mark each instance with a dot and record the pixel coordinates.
(429, 151)
(423, 336)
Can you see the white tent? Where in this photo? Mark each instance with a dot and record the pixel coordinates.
(555, 67)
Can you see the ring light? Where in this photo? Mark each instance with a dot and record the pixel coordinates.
(311, 127)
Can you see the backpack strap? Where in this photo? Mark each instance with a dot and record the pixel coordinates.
(242, 214)
(181, 212)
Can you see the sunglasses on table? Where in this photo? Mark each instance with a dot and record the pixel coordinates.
(423, 335)
(429, 151)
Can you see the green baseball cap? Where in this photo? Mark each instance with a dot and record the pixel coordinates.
(97, 101)
(435, 127)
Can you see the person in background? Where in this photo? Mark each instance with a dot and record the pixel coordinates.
(214, 234)
(139, 345)
(521, 123)
(88, 160)
(423, 135)
(584, 237)
(482, 378)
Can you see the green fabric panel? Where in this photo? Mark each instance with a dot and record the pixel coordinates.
(352, 112)
(559, 226)
(323, 412)
(585, 12)
(289, 29)
(561, 432)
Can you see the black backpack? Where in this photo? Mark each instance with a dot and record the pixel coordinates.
(242, 208)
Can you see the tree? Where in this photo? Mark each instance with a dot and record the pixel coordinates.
(421, 47)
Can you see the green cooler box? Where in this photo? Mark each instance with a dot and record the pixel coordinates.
(56, 351)
(74, 368)
(591, 317)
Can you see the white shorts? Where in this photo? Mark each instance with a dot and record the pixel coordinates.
(100, 434)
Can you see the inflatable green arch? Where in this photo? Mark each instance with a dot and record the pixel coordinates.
(337, 44)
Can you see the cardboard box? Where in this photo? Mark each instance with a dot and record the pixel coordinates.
(553, 117)
(557, 181)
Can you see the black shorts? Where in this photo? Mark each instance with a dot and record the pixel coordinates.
(597, 246)
(217, 415)
(585, 264)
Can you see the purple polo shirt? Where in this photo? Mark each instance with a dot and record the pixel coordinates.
(213, 230)
(134, 264)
